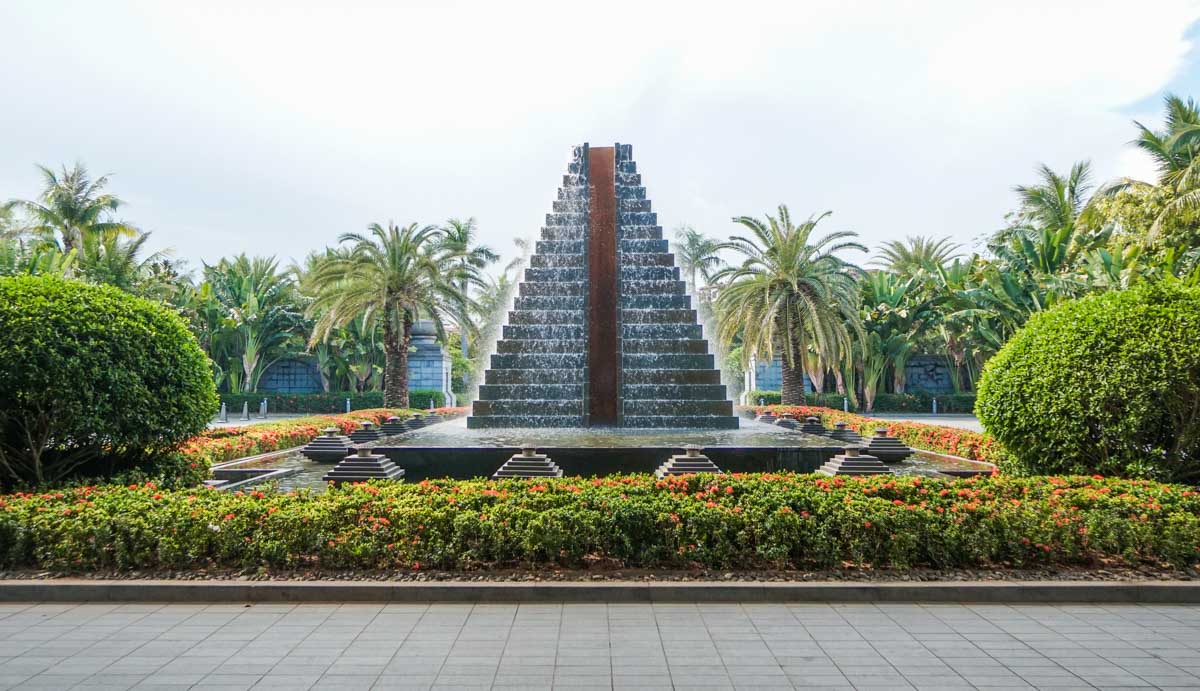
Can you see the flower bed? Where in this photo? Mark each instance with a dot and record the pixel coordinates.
(739, 522)
(948, 440)
(228, 443)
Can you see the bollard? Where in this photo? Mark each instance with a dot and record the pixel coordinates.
(845, 405)
(347, 405)
(935, 406)
(245, 410)
(223, 416)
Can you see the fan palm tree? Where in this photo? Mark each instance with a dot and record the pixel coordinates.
(790, 291)
(697, 253)
(915, 253)
(458, 237)
(392, 276)
(71, 207)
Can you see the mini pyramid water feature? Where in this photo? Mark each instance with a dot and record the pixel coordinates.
(602, 332)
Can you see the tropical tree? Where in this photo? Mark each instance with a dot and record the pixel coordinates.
(391, 277)
(1176, 152)
(252, 317)
(72, 207)
(108, 257)
(459, 238)
(791, 290)
(697, 254)
(916, 253)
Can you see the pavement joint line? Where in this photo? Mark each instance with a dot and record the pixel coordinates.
(974, 592)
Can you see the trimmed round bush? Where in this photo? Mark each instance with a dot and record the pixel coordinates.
(1106, 384)
(93, 381)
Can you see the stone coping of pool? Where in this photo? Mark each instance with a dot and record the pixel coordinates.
(84, 590)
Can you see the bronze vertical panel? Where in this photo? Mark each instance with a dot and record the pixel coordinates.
(603, 359)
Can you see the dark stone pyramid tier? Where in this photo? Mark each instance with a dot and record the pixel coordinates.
(538, 376)
(538, 371)
(668, 376)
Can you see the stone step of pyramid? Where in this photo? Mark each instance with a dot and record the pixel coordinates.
(664, 345)
(552, 261)
(643, 246)
(667, 361)
(576, 274)
(648, 273)
(681, 392)
(556, 332)
(523, 376)
(493, 392)
(538, 360)
(654, 302)
(647, 259)
(641, 407)
(528, 464)
(661, 331)
(657, 376)
(641, 232)
(681, 421)
(575, 247)
(536, 289)
(541, 345)
(533, 421)
(654, 287)
(528, 407)
(658, 316)
(546, 317)
(551, 302)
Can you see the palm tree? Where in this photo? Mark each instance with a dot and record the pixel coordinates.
(697, 253)
(915, 253)
(1176, 153)
(108, 258)
(71, 207)
(458, 237)
(791, 291)
(253, 316)
(391, 277)
(1057, 200)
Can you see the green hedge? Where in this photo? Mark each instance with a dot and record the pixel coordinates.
(94, 382)
(920, 402)
(1108, 384)
(741, 522)
(325, 402)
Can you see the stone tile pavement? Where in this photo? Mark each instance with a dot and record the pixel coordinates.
(601, 646)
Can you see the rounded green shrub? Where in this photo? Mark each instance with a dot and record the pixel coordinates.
(1106, 384)
(93, 381)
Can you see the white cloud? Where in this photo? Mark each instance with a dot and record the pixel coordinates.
(271, 128)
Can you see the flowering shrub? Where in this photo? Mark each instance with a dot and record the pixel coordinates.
(736, 521)
(228, 443)
(948, 440)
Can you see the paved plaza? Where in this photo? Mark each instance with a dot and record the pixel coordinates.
(619, 646)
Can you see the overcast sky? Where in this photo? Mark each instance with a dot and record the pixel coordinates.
(270, 128)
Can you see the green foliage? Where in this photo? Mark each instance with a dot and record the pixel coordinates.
(788, 521)
(1109, 384)
(324, 401)
(93, 381)
(920, 402)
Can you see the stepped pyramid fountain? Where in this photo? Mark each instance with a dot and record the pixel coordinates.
(602, 332)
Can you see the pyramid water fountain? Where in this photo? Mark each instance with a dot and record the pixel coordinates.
(603, 333)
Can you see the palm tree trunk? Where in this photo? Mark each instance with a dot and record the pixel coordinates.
(792, 364)
(395, 369)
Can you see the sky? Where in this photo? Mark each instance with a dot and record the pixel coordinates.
(271, 128)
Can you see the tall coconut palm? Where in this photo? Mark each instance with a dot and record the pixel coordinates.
(915, 253)
(459, 237)
(791, 290)
(106, 257)
(697, 254)
(391, 276)
(71, 207)
(1175, 150)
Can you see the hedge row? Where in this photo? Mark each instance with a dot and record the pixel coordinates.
(228, 443)
(920, 402)
(937, 438)
(726, 522)
(325, 402)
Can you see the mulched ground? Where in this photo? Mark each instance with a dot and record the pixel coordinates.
(1114, 574)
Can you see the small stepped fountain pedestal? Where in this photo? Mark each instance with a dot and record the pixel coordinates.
(812, 425)
(392, 426)
(843, 433)
(363, 466)
(887, 449)
(415, 422)
(690, 463)
(367, 432)
(787, 421)
(854, 462)
(767, 417)
(528, 464)
(330, 447)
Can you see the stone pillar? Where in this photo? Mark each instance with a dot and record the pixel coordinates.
(429, 367)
